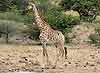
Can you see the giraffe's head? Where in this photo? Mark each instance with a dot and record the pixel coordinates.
(31, 4)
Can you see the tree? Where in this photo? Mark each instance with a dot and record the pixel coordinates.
(10, 28)
(15, 5)
(6, 29)
(86, 8)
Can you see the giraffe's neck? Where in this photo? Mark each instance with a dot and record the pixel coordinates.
(35, 11)
(39, 21)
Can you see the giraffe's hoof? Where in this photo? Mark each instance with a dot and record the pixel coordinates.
(53, 67)
(45, 67)
(60, 67)
(65, 57)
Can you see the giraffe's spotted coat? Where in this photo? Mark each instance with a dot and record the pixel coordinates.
(49, 35)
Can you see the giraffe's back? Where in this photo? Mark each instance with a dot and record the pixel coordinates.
(52, 36)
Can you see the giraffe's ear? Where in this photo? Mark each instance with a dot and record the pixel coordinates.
(29, 7)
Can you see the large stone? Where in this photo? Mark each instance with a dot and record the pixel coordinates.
(71, 13)
(97, 19)
(80, 33)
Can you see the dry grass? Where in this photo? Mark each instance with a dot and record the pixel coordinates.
(84, 60)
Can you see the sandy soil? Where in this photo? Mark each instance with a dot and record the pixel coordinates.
(29, 58)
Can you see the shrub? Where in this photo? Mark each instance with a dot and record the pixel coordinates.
(60, 21)
(10, 28)
(11, 16)
(95, 38)
(86, 8)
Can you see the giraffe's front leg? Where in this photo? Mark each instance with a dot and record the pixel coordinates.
(57, 57)
(45, 56)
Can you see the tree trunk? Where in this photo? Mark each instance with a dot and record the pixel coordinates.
(7, 35)
(7, 38)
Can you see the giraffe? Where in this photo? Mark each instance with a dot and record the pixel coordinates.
(47, 35)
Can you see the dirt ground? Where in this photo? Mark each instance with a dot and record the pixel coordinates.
(18, 57)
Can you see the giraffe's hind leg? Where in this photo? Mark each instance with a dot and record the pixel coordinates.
(65, 52)
(45, 55)
(60, 53)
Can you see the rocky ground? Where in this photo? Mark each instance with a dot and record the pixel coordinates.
(25, 59)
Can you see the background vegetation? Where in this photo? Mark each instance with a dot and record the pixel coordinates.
(16, 19)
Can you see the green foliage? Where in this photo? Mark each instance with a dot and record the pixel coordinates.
(28, 19)
(54, 16)
(5, 4)
(9, 28)
(12, 16)
(58, 20)
(17, 22)
(86, 8)
(85, 4)
(95, 38)
(32, 31)
(16, 10)
(14, 5)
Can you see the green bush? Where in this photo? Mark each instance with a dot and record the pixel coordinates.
(86, 8)
(95, 38)
(32, 31)
(52, 14)
(10, 28)
(60, 21)
(11, 16)
(56, 19)
(88, 18)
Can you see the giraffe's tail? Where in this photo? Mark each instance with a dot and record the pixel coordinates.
(65, 50)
